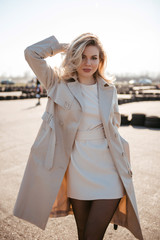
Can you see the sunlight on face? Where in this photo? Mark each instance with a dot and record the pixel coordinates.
(89, 65)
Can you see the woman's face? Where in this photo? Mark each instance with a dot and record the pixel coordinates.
(90, 63)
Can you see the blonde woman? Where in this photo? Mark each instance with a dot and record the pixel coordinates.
(78, 163)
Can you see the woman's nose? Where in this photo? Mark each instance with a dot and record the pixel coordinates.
(88, 62)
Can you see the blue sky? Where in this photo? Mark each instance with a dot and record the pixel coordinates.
(128, 29)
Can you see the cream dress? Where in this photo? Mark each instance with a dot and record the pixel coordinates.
(91, 172)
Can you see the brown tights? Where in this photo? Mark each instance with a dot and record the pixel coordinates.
(93, 217)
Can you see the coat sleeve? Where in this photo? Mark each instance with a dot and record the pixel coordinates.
(117, 115)
(35, 56)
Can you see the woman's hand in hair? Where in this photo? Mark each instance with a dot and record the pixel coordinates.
(64, 47)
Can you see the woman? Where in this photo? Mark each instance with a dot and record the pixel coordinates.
(78, 163)
(38, 92)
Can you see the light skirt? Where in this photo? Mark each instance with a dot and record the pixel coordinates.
(91, 173)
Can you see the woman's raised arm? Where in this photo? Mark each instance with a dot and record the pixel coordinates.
(35, 56)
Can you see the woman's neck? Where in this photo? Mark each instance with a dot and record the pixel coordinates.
(87, 81)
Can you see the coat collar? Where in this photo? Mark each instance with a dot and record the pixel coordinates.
(75, 89)
(101, 82)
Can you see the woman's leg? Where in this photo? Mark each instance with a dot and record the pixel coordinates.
(100, 215)
(81, 209)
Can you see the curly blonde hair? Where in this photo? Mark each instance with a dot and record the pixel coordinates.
(73, 56)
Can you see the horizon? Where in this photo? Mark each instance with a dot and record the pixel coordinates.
(27, 77)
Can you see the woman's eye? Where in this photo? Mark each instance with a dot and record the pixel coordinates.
(92, 58)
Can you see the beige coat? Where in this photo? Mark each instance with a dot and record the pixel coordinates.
(43, 191)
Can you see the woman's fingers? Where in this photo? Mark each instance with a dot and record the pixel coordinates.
(64, 46)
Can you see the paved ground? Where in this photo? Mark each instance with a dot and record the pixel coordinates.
(19, 122)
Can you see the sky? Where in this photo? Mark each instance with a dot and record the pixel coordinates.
(128, 29)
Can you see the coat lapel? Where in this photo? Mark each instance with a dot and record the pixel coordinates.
(75, 89)
(105, 94)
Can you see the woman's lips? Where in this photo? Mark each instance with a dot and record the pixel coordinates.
(86, 70)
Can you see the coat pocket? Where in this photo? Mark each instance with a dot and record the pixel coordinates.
(44, 145)
(127, 154)
(49, 118)
(52, 141)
